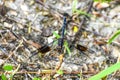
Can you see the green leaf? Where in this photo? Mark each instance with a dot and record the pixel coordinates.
(67, 47)
(8, 67)
(36, 78)
(95, 0)
(114, 36)
(74, 4)
(102, 0)
(82, 13)
(3, 77)
(56, 35)
(60, 72)
(74, 9)
(79, 75)
(106, 72)
(55, 42)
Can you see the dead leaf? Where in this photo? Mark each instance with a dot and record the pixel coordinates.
(99, 5)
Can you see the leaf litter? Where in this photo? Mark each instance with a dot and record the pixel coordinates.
(28, 25)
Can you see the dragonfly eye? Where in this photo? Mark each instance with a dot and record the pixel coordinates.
(66, 14)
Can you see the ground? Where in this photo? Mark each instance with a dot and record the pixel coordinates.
(27, 26)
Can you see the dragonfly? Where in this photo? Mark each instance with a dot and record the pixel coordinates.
(46, 48)
(61, 40)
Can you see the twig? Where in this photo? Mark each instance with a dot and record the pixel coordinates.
(11, 53)
(61, 61)
(81, 24)
(51, 72)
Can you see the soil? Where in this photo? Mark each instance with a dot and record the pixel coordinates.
(29, 32)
